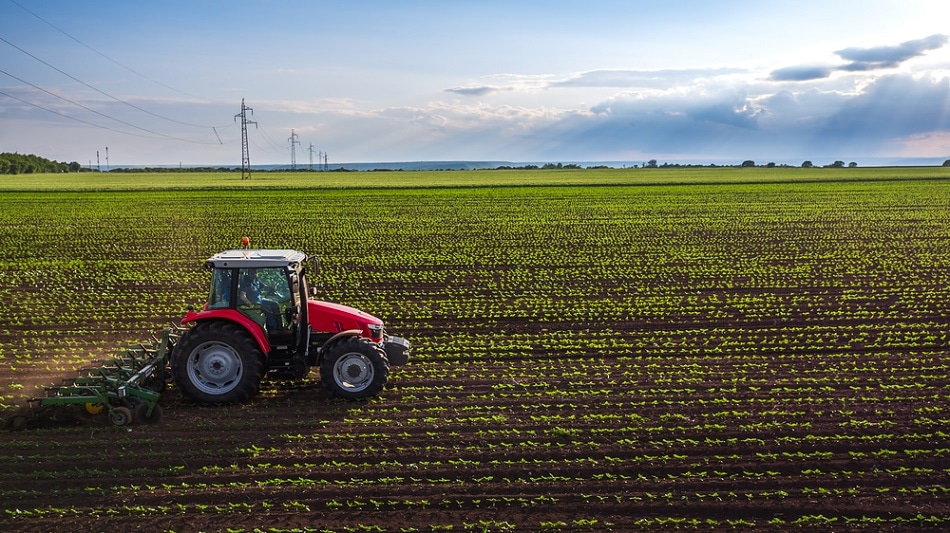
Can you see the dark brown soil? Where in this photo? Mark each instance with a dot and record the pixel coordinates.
(515, 439)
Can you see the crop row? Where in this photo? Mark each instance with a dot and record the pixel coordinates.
(583, 357)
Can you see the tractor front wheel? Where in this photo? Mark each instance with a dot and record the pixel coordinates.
(217, 363)
(354, 369)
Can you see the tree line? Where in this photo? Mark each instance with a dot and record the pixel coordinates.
(13, 163)
(33, 164)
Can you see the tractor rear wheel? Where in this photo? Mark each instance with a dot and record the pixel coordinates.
(354, 369)
(217, 363)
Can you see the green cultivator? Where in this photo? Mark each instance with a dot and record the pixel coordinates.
(127, 387)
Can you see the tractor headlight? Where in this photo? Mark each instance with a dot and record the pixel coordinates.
(376, 330)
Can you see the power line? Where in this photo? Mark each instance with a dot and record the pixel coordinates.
(91, 110)
(266, 137)
(73, 118)
(100, 91)
(126, 67)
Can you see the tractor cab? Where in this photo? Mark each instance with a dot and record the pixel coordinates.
(259, 320)
(265, 286)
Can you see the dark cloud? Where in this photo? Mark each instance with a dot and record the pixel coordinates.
(677, 123)
(808, 125)
(898, 105)
(863, 59)
(473, 91)
(800, 73)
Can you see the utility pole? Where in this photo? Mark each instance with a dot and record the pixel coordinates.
(326, 165)
(245, 155)
(293, 152)
(311, 156)
(98, 166)
(107, 159)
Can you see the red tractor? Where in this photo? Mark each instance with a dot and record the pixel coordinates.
(260, 320)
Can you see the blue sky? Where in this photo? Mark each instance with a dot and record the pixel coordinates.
(159, 83)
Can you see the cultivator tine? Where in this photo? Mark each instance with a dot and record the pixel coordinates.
(124, 387)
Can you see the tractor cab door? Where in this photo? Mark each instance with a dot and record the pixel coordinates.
(298, 286)
(274, 298)
(265, 296)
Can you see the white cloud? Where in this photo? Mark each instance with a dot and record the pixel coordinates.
(656, 79)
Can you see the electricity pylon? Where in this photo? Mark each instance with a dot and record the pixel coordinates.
(293, 152)
(245, 155)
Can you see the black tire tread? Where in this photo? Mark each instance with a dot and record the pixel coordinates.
(366, 347)
(240, 340)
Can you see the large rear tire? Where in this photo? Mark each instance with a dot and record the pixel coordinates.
(354, 369)
(217, 363)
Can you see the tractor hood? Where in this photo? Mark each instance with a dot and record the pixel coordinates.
(334, 318)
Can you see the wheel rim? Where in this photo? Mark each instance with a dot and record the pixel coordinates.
(214, 368)
(353, 372)
(121, 416)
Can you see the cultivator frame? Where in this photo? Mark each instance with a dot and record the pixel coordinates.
(127, 388)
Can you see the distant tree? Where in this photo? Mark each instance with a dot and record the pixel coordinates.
(651, 163)
(837, 164)
(748, 163)
(852, 165)
(807, 164)
(30, 164)
(770, 165)
(946, 163)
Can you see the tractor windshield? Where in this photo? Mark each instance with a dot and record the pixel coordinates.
(264, 295)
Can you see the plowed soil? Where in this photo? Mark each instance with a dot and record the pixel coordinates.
(541, 441)
(756, 356)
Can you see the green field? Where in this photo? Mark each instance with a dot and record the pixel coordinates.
(630, 349)
(106, 181)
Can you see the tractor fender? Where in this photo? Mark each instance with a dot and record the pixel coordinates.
(231, 315)
(335, 339)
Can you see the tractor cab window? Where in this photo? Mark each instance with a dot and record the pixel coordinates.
(220, 297)
(264, 295)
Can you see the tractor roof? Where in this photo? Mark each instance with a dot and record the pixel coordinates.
(256, 258)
